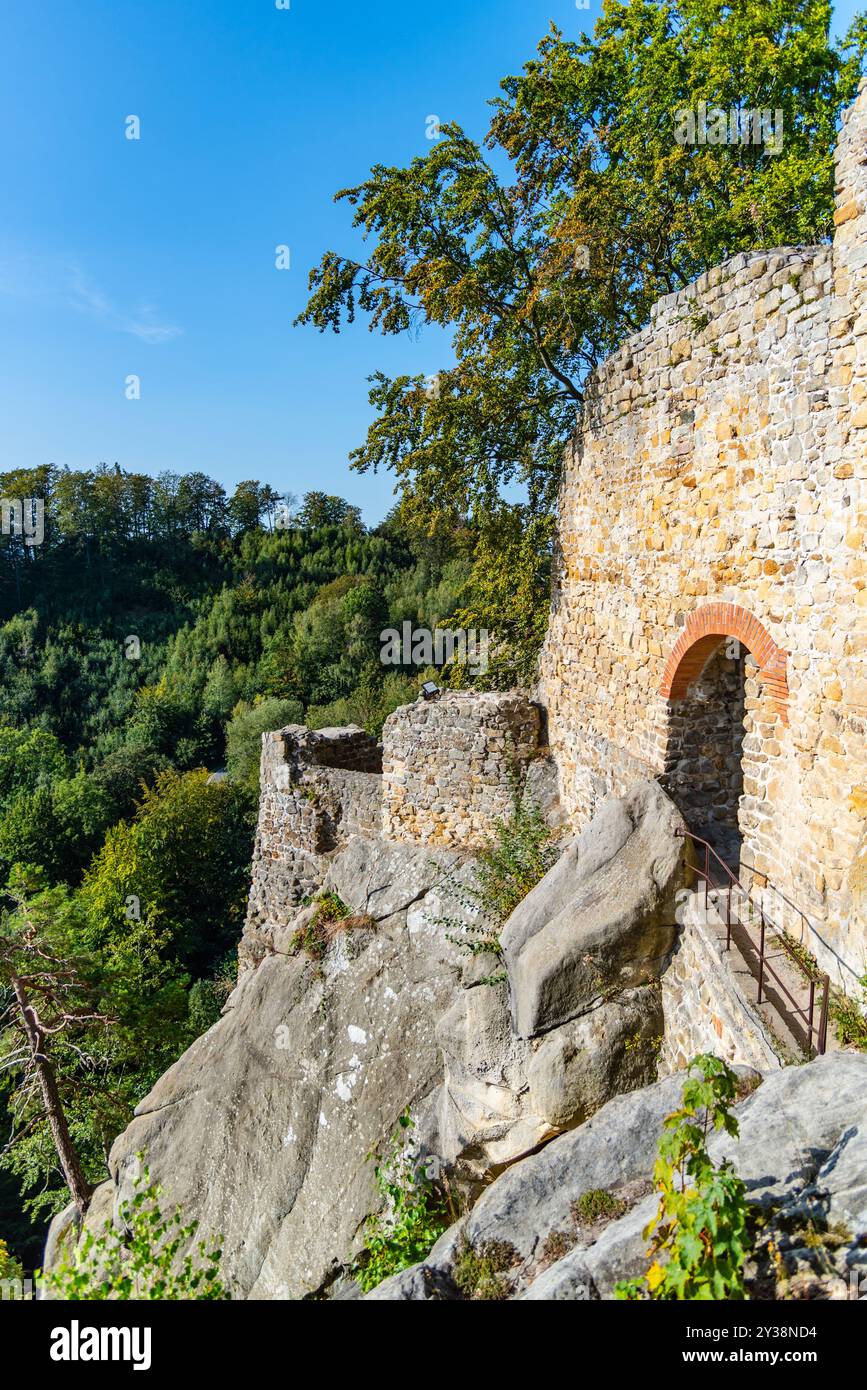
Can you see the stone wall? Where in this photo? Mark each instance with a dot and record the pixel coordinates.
(703, 1008)
(449, 765)
(317, 787)
(717, 489)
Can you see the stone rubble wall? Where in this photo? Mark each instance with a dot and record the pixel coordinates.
(702, 1005)
(317, 787)
(450, 764)
(722, 460)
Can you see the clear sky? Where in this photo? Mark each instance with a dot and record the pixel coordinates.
(156, 257)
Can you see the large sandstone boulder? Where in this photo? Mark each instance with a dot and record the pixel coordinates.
(603, 919)
(802, 1152)
(502, 1095)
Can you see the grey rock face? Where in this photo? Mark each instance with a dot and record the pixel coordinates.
(802, 1152)
(542, 789)
(262, 1129)
(385, 879)
(612, 1048)
(603, 918)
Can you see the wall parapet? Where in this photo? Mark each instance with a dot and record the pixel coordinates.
(451, 765)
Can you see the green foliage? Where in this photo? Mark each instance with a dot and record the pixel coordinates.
(583, 157)
(330, 916)
(700, 1229)
(11, 1270)
(29, 758)
(245, 729)
(520, 853)
(144, 1256)
(127, 988)
(103, 742)
(208, 996)
(375, 697)
(849, 1018)
(595, 1204)
(330, 907)
(508, 592)
(182, 864)
(847, 1014)
(540, 248)
(413, 1218)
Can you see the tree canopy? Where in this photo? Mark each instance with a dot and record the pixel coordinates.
(542, 245)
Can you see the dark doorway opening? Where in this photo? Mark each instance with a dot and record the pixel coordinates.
(705, 762)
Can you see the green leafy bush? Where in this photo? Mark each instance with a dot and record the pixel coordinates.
(12, 1284)
(700, 1229)
(414, 1215)
(520, 853)
(245, 729)
(139, 1258)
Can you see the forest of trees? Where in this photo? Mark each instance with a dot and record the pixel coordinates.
(158, 629)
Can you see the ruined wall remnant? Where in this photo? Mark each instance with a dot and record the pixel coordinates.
(714, 503)
(445, 773)
(317, 787)
(450, 764)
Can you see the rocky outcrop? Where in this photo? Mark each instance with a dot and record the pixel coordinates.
(571, 1015)
(603, 919)
(262, 1130)
(802, 1152)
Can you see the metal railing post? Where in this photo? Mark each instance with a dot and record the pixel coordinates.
(808, 1015)
(822, 1039)
(706, 877)
(761, 958)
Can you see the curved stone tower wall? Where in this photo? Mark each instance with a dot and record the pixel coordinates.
(716, 489)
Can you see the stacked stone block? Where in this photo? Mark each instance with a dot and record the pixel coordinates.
(317, 787)
(450, 765)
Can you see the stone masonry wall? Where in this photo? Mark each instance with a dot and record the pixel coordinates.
(449, 765)
(703, 1008)
(317, 787)
(717, 487)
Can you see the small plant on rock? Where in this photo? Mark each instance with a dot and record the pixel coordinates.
(482, 1273)
(555, 1245)
(596, 1205)
(699, 1236)
(520, 853)
(330, 917)
(414, 1215)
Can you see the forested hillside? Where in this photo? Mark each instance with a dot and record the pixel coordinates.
(158, 629)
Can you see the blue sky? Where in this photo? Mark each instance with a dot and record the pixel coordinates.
(156, 257)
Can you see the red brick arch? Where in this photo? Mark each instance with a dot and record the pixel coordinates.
(704, 629)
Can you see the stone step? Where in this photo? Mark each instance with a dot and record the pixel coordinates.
(782, 998)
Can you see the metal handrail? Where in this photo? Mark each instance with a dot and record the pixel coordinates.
(808, 1014)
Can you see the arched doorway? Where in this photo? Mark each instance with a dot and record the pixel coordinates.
(722, 659)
